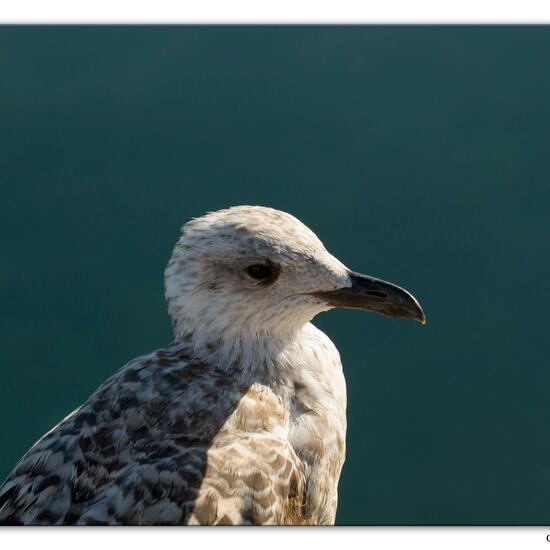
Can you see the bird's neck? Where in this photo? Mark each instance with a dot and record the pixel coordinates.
(248, 356)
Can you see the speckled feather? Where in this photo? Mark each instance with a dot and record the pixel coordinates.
(241, 420)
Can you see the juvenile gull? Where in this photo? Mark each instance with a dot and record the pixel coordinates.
(241, 419)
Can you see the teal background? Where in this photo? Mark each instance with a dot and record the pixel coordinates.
(417, 154)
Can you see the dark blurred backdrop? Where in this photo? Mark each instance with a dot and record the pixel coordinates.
(417, 154)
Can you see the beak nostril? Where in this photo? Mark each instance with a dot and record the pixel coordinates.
(375, 293)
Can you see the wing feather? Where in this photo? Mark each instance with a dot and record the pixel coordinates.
(164, 441)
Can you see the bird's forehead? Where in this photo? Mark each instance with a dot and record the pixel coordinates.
(252, 229)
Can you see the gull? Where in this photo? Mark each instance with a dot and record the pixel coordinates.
(241, 419)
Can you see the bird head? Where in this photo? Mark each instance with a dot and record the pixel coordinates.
(258, 270)
(255, 270)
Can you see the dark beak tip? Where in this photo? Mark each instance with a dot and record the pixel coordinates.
(419, 316)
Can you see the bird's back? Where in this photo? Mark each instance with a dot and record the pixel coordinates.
(166, 440)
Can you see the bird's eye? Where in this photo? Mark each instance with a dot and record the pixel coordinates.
(259, 271)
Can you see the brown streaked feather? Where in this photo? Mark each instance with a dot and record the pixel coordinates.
(166, 440)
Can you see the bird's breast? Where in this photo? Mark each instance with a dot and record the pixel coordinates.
(260, 410)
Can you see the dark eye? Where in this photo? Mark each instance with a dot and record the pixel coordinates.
(259, 271)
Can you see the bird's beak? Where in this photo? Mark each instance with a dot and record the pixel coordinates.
(375, 295)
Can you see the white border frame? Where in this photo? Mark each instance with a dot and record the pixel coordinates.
(280, 12)
(275, 12)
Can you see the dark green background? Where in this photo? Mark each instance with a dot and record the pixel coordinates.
(417, 154)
